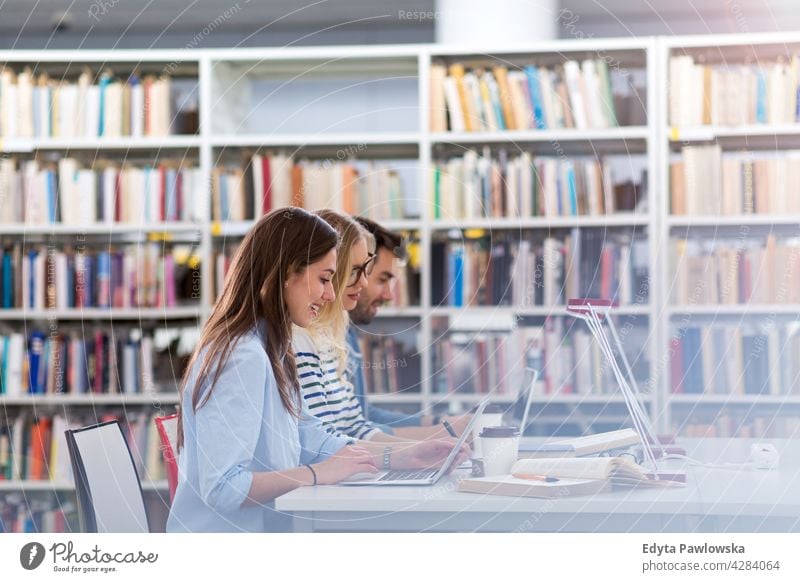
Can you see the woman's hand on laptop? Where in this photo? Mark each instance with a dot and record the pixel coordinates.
(347, 461)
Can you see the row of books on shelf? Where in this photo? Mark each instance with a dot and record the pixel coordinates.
(103, 361)
(405, 286)
(104, 105)
(704, 181)
(733, 94)
(502, 186)
(23, 514)
(371, 189)
(525, 272)
(736, 359)
(390, 366)
(568, 359)
(138, 275)
(572, 95)
(736, 271)
(34, 447)
(39, 193)
(736, 426)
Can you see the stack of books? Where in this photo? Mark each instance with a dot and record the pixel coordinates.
(572, 95)
(146, 275)
(506, 270)
(736, 359)
(33, 447)
(99, 362)
(728, 94)
(39, 193)
(104, 105)
(503, 186)
(370, 189)
(704, 181)
(569, 361)
(736, 271)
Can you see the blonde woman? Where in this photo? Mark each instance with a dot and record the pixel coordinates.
(321, 354)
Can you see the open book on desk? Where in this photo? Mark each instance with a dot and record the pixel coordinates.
(581, 446)
(572, 476)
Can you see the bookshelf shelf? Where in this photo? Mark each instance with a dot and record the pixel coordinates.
(437, 398)
(738, 399)
(728, 221)
(19, 145)
(152, 229)
(394, 312)
(542, 222)
(93, 313)
(160, 398)
(238, 228)
(44, 486)
(300, 140)
(585, 399)
(742, 310)
(393, 398)
(613, 134)
(709, 132)
(538, 311)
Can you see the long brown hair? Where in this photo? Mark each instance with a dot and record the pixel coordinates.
(283, 242)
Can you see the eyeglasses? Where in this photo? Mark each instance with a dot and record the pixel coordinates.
(364, 269)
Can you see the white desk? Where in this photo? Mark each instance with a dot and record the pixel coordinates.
(713, 500)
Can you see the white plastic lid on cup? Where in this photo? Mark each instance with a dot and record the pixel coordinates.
(500, 446)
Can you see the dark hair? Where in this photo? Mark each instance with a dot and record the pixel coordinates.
(384, 239)
(282, 243)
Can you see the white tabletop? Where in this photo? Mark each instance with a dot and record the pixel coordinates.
(715, 499)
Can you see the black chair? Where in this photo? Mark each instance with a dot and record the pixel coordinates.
(108, 488)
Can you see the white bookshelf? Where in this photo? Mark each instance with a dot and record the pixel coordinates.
(730, 49)
(222, 73)
(634, 140)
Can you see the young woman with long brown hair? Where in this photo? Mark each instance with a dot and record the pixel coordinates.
(243, 437)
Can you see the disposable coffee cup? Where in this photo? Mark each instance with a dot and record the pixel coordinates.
(492, 416)
(500, 445)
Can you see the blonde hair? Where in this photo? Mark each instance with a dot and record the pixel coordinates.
(329, 328)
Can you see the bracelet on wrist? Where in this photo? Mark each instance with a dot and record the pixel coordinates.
(387, 454)
(313, 473)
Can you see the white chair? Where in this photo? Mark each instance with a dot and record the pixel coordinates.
(109, 492)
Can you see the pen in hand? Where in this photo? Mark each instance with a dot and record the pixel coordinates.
(449, 429)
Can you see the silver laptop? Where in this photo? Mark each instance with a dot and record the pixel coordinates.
(418, 476)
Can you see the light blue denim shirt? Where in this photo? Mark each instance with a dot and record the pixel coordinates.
(242, 429)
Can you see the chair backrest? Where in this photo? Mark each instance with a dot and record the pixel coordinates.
(168, 433)
(109, 492)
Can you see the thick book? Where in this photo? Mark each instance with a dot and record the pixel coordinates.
(581, 446)
(511, 486)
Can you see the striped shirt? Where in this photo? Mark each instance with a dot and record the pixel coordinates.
(326, 395)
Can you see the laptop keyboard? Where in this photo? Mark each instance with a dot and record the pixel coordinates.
(408, 475)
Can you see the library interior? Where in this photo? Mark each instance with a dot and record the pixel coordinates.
(433, 265)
